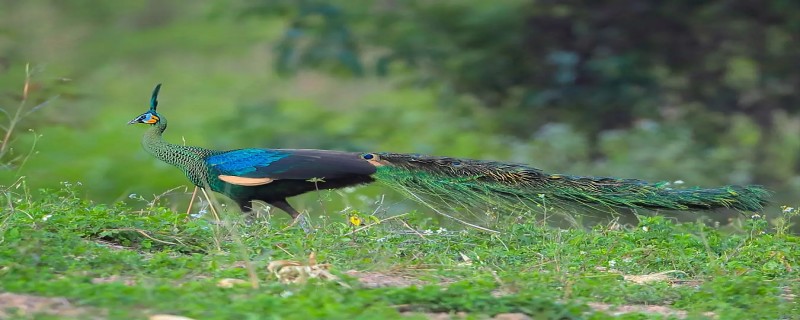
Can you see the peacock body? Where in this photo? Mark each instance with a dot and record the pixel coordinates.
(273, 175)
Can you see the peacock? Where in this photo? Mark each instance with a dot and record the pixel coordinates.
(273, 175)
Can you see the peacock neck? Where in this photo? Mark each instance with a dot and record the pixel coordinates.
(187, 158)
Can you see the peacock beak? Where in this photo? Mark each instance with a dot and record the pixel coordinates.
(139, 119)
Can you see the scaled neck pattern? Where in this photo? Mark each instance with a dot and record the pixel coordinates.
(187, 158)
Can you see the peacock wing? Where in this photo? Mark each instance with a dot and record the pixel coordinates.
(252, 167)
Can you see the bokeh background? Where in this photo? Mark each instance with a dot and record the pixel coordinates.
(699, 92)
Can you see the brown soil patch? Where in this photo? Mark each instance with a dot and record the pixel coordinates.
(388, 279)
(464, 315)
(660, 310)
(12, 304)
(120, 279)
(403, 279)
(787, 294)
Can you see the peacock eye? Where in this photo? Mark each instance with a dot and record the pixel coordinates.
(151, 118)
(456, 163)
(370, 156)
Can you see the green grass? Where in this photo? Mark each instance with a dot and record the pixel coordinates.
(120, 263)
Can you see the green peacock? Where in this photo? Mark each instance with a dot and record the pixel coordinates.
(273, 175)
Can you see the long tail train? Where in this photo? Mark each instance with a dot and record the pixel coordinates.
(496, 185)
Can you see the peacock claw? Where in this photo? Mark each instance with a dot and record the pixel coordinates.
(303, 223)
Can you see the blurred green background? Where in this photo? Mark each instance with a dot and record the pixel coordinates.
(701, 92)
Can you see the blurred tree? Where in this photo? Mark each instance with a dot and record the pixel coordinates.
(598, 64)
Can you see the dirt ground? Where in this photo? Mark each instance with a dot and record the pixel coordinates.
(12, 304)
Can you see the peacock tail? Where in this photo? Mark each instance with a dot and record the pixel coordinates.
(497, 186)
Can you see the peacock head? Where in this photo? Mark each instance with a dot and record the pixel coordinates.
(151, 116)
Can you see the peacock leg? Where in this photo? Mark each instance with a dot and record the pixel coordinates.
(191, 202)
(299, 218)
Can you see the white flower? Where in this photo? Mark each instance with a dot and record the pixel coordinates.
(46, 217)
(612, 263)
(645, 228)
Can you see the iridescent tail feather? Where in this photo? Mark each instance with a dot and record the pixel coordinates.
(497, 186)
